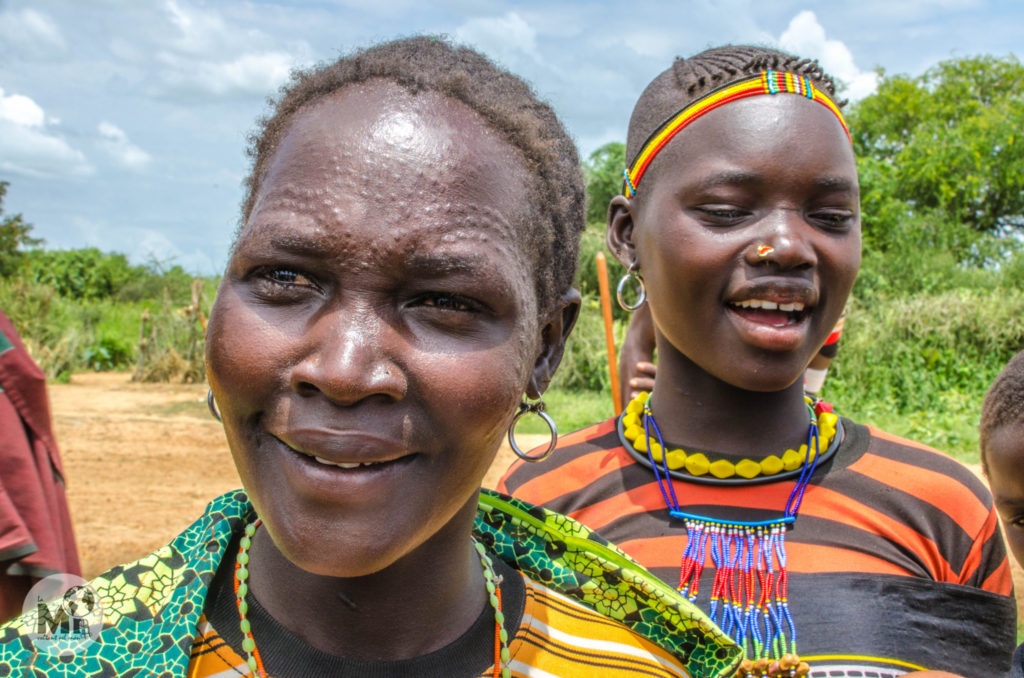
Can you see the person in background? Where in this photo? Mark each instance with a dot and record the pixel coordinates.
(1001, 439)
(36, 536)
(799, 531)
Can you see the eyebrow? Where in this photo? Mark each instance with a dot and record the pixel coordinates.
(446, 263)
(743, 177)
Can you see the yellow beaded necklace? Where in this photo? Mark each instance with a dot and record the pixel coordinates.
(697, 463)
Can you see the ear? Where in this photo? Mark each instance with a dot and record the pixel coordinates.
(619, 235)
(560, 322)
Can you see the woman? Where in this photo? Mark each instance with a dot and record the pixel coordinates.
(797, 530)
(401, 278)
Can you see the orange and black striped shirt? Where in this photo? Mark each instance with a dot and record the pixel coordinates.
(896, 561)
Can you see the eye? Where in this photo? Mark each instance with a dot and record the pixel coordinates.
(287, 276)
(282, 282)
(448, 302)
(722, 214)
(1017, 522)
(834, 219)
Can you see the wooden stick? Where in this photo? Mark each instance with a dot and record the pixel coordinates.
(609, 335)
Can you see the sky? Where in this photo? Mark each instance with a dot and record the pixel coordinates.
(123, 123)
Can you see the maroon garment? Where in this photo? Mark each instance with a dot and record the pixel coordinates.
(36, 538)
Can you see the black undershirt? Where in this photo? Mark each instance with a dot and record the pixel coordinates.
(285, 655)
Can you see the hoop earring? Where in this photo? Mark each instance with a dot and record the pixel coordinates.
(538, 409)
(212, 404)
(641, 293)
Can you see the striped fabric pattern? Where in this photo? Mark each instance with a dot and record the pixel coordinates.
(883, 509)
(557, 637)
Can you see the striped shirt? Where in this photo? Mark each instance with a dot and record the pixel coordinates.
(556, 636)
(896, 560)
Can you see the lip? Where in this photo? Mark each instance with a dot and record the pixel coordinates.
(333, 446)
(777, 290)
(769, 328)
(381, 479)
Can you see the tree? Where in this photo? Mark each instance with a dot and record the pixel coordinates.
(603, 173)
(946, 145)
(14, 238)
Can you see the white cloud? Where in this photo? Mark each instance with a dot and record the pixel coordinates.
(20, 110)
(806, 37)
(115, 143)
(505, 38)
(208, 57)
(29, 148)
(29, 32)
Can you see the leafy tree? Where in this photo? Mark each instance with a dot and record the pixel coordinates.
(603, 173)
(14, 238)
(946, 147)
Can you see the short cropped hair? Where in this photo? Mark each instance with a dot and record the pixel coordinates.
(556, 218)
(1003, 404)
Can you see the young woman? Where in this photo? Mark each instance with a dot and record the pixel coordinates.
(798, 531)
(401, 278)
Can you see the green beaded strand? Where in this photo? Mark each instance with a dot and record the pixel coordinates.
(249, 643)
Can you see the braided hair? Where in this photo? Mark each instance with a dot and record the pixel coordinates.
(1003, 405)
(689, 79)
(555, 214)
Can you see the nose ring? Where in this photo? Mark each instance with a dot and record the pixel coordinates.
(764, 251)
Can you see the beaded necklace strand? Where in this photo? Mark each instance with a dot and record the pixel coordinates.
(255, 662)
(749, 598)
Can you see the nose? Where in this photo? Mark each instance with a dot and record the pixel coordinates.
(783, 240)
(349, 357)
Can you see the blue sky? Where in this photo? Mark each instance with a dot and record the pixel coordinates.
(123, 122)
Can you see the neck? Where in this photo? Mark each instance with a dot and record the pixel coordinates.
(418, 604)
(695, 409)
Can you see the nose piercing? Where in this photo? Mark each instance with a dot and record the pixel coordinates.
(764, 251)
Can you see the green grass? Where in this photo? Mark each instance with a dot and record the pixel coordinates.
(571, 410)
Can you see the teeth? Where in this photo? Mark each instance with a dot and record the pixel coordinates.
(340, 464)
(770, 305)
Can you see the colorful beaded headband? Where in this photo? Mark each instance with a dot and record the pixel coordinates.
(766, 82)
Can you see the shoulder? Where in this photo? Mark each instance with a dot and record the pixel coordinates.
(562, 637)
(924, 472)
(158, 598)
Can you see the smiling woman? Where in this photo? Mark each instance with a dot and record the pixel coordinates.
(820, 545)
(401, 278)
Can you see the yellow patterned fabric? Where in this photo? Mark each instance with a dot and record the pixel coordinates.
(151, 608)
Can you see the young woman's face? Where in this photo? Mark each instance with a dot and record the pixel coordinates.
(774, 171)
(376, 326)
(1005, 460)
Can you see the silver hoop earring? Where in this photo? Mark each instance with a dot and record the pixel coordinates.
(641, 290)
(538, 409)
(212, 404)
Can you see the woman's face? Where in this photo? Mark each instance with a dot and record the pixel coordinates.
(767, 170)
(376, 326)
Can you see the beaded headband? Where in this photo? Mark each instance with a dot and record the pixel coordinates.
(765, 82)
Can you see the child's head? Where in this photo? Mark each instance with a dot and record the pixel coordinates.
(741, 213)
(1002, 449)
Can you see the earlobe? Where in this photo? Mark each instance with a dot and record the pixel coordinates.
(619, 236)
(560, 323)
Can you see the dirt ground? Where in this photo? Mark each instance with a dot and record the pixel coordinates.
(143, 460)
